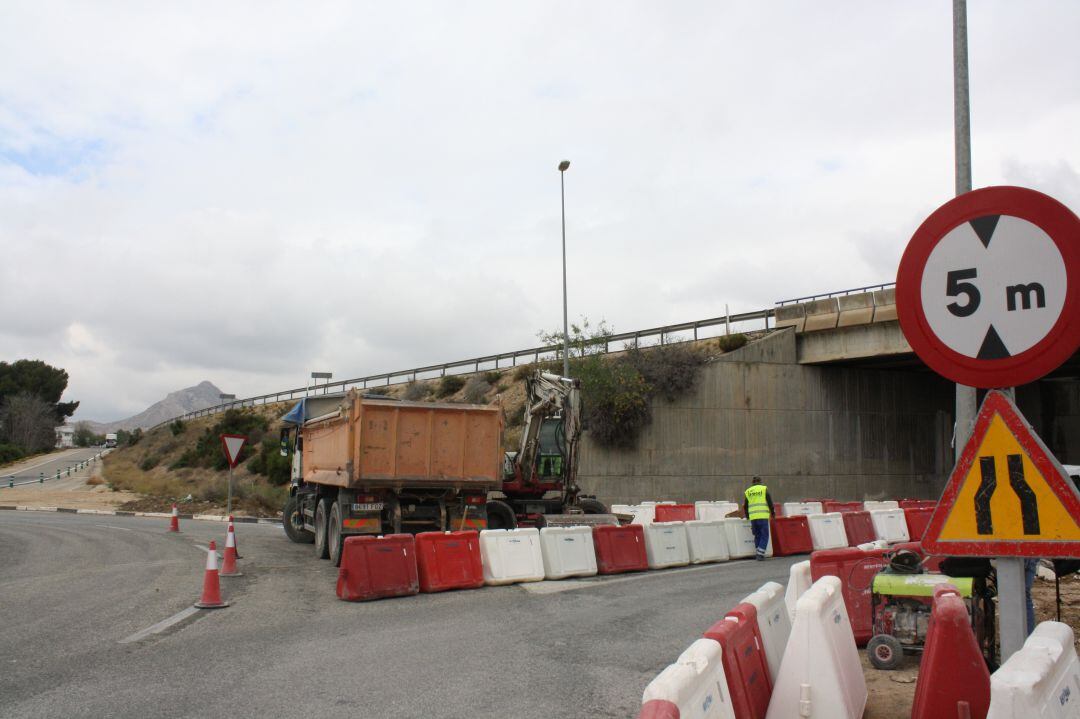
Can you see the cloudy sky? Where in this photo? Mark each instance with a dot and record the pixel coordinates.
(246, 192)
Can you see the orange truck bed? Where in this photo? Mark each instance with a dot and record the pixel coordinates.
(386, 443)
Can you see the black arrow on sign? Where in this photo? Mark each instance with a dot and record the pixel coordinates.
(992, 346)
(984, 227)
(984, 523)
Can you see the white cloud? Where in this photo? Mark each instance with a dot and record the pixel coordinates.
(247, 192)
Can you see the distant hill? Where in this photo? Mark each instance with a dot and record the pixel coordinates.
(189, 399)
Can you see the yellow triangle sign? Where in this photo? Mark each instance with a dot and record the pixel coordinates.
(1007, 495)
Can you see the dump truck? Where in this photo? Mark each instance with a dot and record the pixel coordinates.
(368, 464)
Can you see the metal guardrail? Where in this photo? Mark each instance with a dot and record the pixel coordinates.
(838, 293)
(487, 362)
(10, 481)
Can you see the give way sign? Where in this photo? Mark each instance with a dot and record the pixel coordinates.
(232, 444)
(988, 289)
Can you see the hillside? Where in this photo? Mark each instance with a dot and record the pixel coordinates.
(203, 395)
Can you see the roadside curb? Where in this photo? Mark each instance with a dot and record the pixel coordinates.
(123, 513)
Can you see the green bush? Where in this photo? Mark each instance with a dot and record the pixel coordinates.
(449, 385)
(149, 462)
(177, 427)
(616, 400)
(476, 390)
(416, 390)
(208, 453)
(671, 371)
(728, 343)
(492, 377)
(269, 462)
(10, 453)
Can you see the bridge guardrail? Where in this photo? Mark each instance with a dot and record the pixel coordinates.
(476, 364)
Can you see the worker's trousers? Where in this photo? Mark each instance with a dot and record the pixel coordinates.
(760, 528)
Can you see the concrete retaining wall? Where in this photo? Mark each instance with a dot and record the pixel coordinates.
(808, 431)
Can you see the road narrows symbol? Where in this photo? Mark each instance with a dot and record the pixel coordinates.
(1029, 503)
(984, 522)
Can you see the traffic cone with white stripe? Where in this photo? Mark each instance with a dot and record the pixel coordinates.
(211, 591)
(228, 566)
(174, 523)
(235, 543)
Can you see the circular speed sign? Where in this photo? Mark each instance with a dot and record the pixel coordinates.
(988, 290)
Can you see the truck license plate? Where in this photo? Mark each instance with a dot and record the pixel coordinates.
(368, 507)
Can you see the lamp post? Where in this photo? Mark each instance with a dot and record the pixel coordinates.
(563, 167)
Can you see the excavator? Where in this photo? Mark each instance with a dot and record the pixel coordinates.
(539, 485)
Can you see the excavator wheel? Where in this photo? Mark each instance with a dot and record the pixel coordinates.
(500, 515)
(592, 506)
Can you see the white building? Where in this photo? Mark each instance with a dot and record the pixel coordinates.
(65, 436)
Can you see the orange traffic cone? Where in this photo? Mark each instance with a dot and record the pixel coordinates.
(174, 523)
(235, 544)
(211, 591)
(228, 566)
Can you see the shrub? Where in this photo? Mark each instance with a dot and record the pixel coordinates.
(177, 427)
(269, 463)
(10, 453)
(616, 401)
(149, 462)
(476, 390)
(493, 377)
(207, 452)
(728, 343)
(671, 371)
(95, 481)
(416, 391)
(449, 385)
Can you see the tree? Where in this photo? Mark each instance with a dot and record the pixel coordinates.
(28, 422)
(85, 437)
(39, 379)
(584, 339)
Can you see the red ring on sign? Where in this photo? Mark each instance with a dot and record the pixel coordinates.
(1063, 227)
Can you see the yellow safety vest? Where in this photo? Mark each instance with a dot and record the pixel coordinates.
(757, 507)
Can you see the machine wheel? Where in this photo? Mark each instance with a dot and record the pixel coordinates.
(500, 515)
(293, 521)
(592, 506)
(885, 651)
(337, 542)
(322, 542)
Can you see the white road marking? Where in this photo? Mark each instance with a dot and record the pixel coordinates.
(204, 549)
(160, 626)
(569, 585)
(112, 526)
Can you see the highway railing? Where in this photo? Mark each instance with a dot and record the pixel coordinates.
(10, 481)
(838, 293)
(654, 336)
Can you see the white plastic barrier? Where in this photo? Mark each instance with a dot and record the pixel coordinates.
(740, 539)
(870, 505)
(799, 580)
(890, 525)
(643, 513)
(714, 510)
(793, 509)
(876, 544)
(827, 530)
(511, 555)
(706, 541)
(773, 623)
(695, 683)
(820, 676)
(665, 545)
(666, 501)
(567, 552)
(1041, 681)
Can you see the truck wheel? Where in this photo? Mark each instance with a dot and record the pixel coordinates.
(592, 506)
(322, 543)
(885, 651)
(334, 533)
(500, 515)
(293, 521)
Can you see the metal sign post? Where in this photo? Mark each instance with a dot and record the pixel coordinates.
(232, 444)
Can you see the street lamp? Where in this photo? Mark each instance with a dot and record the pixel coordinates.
(563, 167)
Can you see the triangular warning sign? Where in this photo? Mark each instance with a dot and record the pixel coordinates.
(1007, 496)
(232, 444)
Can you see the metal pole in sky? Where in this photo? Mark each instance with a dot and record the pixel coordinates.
(563, 167)
(1012, 594)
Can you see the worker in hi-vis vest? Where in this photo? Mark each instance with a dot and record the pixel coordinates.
(759, 509)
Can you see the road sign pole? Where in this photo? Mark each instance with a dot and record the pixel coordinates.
(228, 502)
(1012, 605)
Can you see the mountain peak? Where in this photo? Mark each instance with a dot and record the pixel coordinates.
(200, 396)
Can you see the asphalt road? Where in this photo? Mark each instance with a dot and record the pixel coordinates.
(47, 465)
(73, 588)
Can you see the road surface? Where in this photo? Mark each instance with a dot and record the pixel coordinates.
(80, 594)
(46, 466)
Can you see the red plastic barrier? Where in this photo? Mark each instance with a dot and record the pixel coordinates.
(931, 563)
(745, 666)
(658, 709)
(675, 513)
(790, 535)
(952, 668)
(856, 570)
(376, 567)
(916, 503)
(833, 506)
(917, 518)
(449, 560)
(620, 549)
(859, 528)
